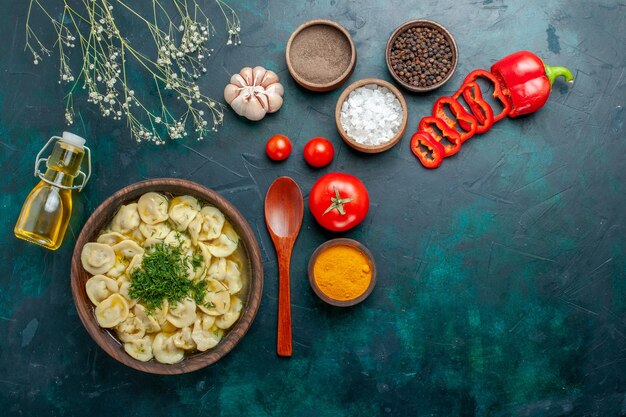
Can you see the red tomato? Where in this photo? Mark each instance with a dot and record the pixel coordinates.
(339, 201)
(278, 147)
(318, 152)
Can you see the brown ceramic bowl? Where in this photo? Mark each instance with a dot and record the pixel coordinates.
(102, 217)
(371, 148)
(341, 242)
(422, 23)
(308, 34)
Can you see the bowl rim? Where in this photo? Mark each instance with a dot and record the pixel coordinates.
(331, 85)
(345, 242)
(100, 218)
(372, 148)
(425, 23)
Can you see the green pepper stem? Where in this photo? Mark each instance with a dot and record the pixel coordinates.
(554, 72)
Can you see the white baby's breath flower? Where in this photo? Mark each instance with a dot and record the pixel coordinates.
(105, 67)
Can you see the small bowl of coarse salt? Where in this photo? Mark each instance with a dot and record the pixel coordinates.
(371, 115)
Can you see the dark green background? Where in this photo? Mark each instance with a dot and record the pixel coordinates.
(501, 274)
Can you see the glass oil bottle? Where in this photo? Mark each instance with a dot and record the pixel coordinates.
(47, 209)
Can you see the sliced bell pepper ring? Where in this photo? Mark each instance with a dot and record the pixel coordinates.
(497, 91)
(453, 136)
(481, 110)
(466, 121)
(433, 155)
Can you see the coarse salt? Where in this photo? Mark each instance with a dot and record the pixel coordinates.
(371, 115)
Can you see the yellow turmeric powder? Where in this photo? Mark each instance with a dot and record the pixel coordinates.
(342, 272)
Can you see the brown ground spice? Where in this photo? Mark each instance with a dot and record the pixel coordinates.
(320, 54)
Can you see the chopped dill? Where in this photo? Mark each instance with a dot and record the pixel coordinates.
(196, 261)
(163, 275)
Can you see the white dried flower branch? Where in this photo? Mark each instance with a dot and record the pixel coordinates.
(180, 30)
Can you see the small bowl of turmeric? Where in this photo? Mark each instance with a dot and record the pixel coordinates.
(342, 272)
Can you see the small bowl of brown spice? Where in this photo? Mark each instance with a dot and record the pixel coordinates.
(421, 55)
(320, 55)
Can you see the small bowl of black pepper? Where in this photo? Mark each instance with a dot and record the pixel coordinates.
(421, 55)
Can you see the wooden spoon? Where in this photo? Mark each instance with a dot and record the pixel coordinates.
(284, 208)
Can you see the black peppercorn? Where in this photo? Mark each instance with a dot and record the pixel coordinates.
(421, 56)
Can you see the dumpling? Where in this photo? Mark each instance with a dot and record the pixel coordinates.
(195, 265)
(97, 258)
(216, 301)
(217, 270)
(194, 229)
(128, 249)
(140, 349)
(160, 314)
(168, 327)
(230, 233)
(150, 243)
(112, 311)
(222, 246)
(176, 238)
(205, 333)
(232, 278)
(182, 211)
(149, 320)
(99, 288)
(207, 321)
(183, 313)
(134, 265)
(206, 255)
(130, 329)
(126, 220)
(119, 268)
(158, 231)
(229, 318)
(136, 235)
(152, 208)
(124, 285)
(164, 349)
(212, 223)
(111, 238)
(183, 339)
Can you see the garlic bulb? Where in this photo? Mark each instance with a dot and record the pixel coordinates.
(254, 92)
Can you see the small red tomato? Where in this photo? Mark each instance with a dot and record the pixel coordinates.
(278, 147)
(339, 201)
(318, 152)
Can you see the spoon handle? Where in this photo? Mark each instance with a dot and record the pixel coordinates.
(283, 347)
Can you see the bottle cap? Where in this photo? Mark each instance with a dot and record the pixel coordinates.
(73, 139)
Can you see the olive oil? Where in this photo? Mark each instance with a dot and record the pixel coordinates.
(47, 209)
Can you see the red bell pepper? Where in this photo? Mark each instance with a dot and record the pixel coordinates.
(426, 125)
(466, 121)
(526, 81)
(481, 110)
(433, 155)
(497, 91)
